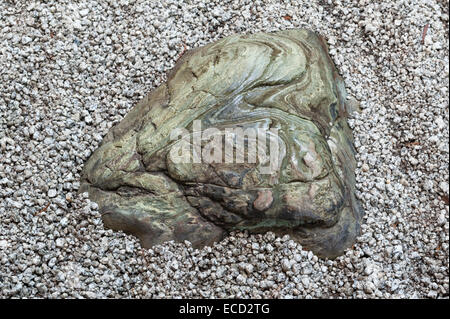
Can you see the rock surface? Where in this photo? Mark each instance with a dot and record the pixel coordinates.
(283, 80)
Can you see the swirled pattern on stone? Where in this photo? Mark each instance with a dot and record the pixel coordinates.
(283, 80)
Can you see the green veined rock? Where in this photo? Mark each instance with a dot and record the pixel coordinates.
(281, 82)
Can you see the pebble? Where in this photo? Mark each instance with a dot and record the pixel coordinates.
(52, 193)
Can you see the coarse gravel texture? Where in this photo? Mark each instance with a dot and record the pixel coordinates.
(69, 70)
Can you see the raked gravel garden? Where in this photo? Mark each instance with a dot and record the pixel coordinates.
(70, 70)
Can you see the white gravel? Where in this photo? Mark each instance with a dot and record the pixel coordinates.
(69, 71)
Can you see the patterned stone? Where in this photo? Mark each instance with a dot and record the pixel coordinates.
(283, 80)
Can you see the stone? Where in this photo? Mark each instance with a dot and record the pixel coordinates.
(52, 193)
(3, 244)
(283, 84)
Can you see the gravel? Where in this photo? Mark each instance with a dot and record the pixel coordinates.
(70, 70)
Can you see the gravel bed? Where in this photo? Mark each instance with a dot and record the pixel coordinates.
(69, 70)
